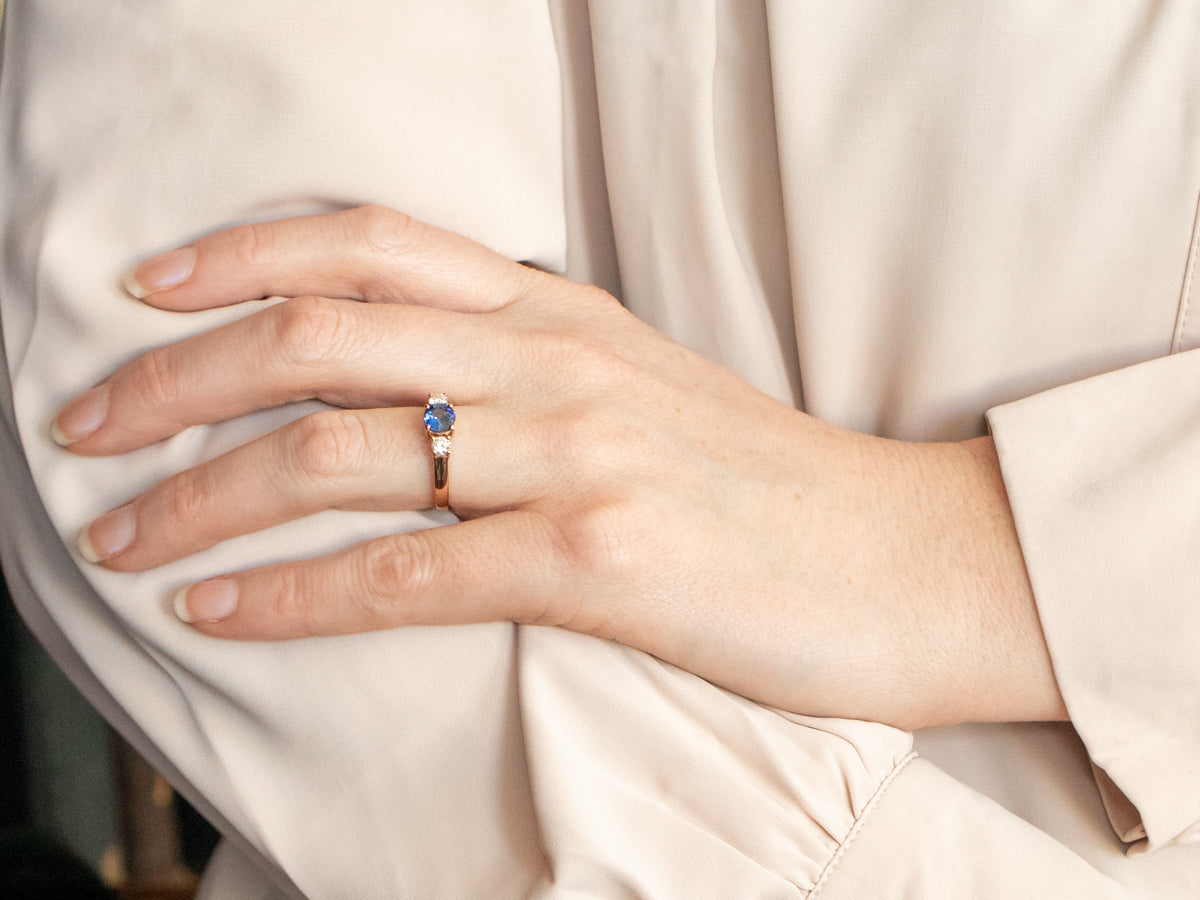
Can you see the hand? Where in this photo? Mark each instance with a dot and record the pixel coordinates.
(609, 481)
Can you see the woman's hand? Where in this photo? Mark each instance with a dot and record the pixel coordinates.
(609, 481)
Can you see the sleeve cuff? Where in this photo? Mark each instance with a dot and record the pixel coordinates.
(1103, 476)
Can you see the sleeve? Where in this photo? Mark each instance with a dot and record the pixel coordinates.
(132, 128)
(477, 761)
(1104, 480)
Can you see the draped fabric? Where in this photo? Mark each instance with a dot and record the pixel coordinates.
(898, 217)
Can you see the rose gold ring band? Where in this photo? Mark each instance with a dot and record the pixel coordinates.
(439, 425)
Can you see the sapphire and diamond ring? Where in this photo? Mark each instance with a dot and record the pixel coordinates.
(439, 425)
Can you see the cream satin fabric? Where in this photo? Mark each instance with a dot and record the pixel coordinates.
(896, 217)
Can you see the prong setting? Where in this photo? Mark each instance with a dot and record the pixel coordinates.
(439, 425)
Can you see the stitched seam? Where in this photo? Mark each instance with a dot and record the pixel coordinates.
(859, 823)
(1185, 298)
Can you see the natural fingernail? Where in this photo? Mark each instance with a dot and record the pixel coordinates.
(158, 273)
(108, 535)
(82, 416)
(207, 601)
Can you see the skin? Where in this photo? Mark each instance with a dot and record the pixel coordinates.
(609, 481)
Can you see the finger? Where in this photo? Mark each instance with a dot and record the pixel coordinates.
(345, 353)
(506, 566)
(368, 253)
(363, 459)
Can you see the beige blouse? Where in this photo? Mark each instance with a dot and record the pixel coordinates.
(896, 216)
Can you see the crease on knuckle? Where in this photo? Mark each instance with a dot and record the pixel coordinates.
(329, 446)
(190, 498)
(396, 571)
(590, 552)
(578, 299)
(590, 296)
(601, 450)
(313, 331)
(389, 239)
(157, 377)
(591, 359)
(292, 605)
(600, 542)
(556, 605)
(385, 232)
(250, 243)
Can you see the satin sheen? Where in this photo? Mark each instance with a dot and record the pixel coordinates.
(918, 220)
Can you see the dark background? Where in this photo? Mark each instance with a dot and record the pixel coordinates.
(81, 815)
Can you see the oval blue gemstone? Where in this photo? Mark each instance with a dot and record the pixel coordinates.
(439, 417)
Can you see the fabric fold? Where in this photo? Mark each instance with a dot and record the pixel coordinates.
(1109, 540)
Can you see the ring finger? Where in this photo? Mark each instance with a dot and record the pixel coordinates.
(377, 459)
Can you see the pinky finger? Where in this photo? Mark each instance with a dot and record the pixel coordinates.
(503, 566)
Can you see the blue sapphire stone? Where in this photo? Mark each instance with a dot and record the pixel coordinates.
(439, 418)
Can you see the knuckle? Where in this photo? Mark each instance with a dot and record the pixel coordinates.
(574, 433)
(556, 540)
(311, 331)
(157, 376)
(249, 244)
(592, 546)
(190, 497)
(329, 445)
(384, 231)
(592, 359)
(592, 296)
(574, 298)
(597, 445)
(569, 358)
(292, 604)
(389, 239)
(396, 568)
(602, 541)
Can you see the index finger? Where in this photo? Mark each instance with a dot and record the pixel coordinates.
(368, 253)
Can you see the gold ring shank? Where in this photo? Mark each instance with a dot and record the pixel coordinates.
(441, 482)
(439, 425)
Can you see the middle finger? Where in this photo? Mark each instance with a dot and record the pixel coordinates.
(344, 352)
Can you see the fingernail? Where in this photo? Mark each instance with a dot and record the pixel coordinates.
(108, 535)
(207, 601)
(164, 271)
(82, 416)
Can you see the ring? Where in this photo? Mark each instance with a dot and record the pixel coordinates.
(439, 425)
